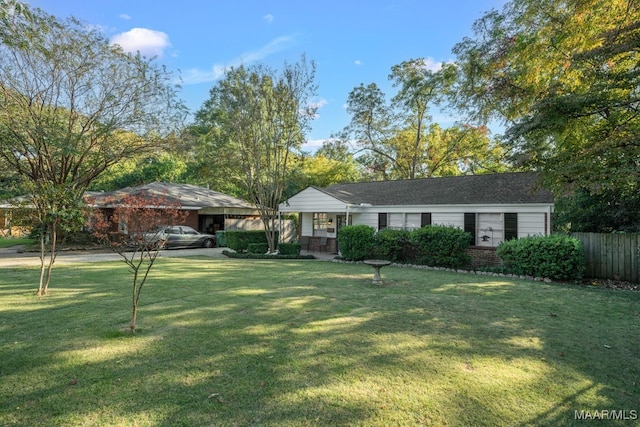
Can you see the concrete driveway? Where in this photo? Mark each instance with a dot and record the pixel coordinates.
(12, 257)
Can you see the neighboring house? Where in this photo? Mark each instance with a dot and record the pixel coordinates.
(492, 208)
(208, 211)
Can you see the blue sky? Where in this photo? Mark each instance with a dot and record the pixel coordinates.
(352, 42)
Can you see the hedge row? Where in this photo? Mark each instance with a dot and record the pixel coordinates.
(557, 257)
(255, 243)
(239, 240)
(438, 246)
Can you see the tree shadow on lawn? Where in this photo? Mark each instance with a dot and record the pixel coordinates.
(319, 345)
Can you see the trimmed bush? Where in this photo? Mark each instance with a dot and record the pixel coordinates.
(289, 248)
(556, 257)
(441, 246)
(356, 242)
(258, 248)
(239, 240)
(392, 245)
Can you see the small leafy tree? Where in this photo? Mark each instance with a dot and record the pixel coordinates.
(50, 210)
(132, 230)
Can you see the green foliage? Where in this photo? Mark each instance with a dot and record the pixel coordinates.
(563, 75)
(289, 248)
(260, 116)
(356, 242)
(239, 240)
(556, 256)
(140, 170)
(441, 246)
(392, 245)
(320, 171)
(258, 248)
(582, 211)
(398, 137)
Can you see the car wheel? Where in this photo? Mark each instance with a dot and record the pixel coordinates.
(208, 243)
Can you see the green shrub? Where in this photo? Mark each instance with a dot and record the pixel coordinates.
(239, 240)
(258, 248)
(356, 242)
(392, 245)
(289, 248)
(441, 246)
(556, 256)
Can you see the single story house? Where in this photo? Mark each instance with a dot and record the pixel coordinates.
(208, 210)
(493, 207)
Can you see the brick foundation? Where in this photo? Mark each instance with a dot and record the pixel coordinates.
(483, 256)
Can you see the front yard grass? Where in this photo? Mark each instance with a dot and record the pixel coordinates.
(291, 343)
(7, 242)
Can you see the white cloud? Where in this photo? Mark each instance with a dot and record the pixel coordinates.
(431, 64)
(268, 18)
(195, 75)
(125, 17)
(317, 105)
(357, 62)
(313, 145)
(148, 42)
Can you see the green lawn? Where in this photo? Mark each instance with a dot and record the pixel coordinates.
(289, 343)
(7, 242)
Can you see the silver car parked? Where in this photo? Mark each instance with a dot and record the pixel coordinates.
(182, 236)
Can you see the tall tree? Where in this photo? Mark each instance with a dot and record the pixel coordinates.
(71, 104)
(263, 114)
(563, 76)
(398, 138)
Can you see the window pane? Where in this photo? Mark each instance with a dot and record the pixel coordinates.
(510, 226)
(470, 226)
(382, 221)
(320, 220)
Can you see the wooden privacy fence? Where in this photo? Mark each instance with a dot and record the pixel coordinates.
(611, 256)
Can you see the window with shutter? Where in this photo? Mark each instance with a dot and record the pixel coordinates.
(382, 221)
(510, 226)
(425, 219)
(470, 226)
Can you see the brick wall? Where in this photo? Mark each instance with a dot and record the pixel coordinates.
(192, 220)
(483, 256)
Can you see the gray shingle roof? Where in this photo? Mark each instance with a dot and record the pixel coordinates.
(189, 196)
(503, 188)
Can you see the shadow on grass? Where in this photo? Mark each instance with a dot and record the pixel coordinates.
(277, 343)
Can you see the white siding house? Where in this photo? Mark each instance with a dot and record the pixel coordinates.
(491, 207)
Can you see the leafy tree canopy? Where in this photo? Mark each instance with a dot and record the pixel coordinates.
(398, 139)
(563, 76)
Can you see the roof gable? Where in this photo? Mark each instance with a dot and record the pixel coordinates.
(504, 188)
(309, 199)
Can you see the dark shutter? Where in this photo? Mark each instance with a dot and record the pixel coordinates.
(470, 226)
(382, 221)
(510, 226)
(425, 219)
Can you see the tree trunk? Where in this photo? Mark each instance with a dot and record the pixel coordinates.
(134, 301)
(42, 256)
(52, 257)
